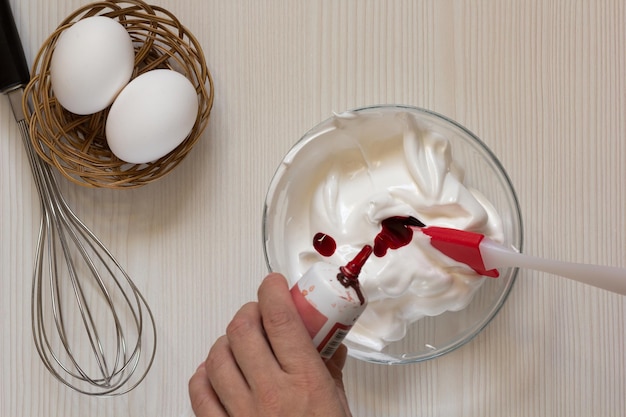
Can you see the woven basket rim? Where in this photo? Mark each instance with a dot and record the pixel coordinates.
(76, 145)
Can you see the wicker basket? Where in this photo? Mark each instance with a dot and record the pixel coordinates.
(76, 145)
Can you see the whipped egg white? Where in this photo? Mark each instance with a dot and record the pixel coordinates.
(347, 176)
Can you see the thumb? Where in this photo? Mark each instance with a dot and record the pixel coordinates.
(335, 367)
(335, 364)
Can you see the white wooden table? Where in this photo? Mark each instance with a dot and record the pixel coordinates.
(543, 83)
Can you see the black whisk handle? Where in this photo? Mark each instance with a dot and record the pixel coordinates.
(13, 67)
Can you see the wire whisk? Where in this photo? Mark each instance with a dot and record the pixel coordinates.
(91, 323)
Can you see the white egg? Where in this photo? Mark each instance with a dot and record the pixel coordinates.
(91, 62)
(151, 116)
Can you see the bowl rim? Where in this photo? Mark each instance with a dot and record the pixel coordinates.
(511, 197)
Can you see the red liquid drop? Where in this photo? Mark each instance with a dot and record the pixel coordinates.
(324, 244)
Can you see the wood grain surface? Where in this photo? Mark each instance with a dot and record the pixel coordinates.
(541, 82)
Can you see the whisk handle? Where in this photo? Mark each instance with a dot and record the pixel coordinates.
(13, 67)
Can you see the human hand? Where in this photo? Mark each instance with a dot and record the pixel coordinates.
(266, 365)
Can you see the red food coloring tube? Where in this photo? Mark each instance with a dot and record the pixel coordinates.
(329, 300)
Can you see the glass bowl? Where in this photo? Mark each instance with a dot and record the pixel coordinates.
(430, 336)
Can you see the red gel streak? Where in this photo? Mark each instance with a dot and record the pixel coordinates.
(396, 232)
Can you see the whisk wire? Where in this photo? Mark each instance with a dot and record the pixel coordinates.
(89, 238)
(61, 231)
(85, 312)
(48, 190)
